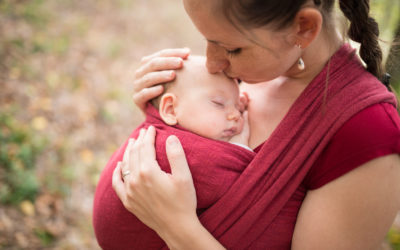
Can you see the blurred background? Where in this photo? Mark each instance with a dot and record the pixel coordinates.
(65, 104)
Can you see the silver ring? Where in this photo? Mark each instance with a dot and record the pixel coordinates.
(125, 173)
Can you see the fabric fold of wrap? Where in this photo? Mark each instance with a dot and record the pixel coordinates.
(215, 165)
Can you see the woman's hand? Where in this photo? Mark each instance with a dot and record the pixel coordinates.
(154, 70)
(158, 199)
(164, 202)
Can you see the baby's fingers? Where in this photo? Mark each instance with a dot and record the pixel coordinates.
(244, 101)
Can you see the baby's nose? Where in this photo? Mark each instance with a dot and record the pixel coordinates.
(234, 115)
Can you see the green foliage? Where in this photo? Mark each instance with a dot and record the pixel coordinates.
(18, 151)
(393, 237)
(45, 237)
(31, 11)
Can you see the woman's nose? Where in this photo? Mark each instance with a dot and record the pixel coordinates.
(216, 60)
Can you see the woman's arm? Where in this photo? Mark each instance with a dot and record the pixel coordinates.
(354, 211)
(156, 69)
(164, 202)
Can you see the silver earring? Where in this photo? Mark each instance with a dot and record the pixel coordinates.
(300, 62)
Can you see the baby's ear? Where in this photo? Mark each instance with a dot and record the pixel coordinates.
(167, 109)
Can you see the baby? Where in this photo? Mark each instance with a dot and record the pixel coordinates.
(203, 111)
(203, 103)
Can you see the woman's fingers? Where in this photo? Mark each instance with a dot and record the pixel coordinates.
(142, 97)
(177, 159)
(125, 158)
(118, 184)
(159, 64)
(156, 69)
(149, 146)
(152, 78)
(179, 52)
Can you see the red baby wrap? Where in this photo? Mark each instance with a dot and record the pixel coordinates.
(237, 203)
(215, 165)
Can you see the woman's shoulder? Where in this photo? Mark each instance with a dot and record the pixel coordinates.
(371, 133)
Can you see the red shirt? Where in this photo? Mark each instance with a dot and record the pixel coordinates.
(371, 133)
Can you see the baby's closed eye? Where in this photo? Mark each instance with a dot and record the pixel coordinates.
(218, 102)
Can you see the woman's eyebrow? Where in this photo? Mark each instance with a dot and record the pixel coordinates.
(217, 42)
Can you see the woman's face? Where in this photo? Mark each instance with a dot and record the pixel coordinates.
(273, 54)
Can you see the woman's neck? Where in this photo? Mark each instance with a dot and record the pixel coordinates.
(270, 101)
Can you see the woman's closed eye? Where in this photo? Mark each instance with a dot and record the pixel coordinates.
(233, 52)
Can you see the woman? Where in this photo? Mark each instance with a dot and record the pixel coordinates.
(326, 176)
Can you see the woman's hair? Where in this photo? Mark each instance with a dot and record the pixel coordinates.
(281, 13)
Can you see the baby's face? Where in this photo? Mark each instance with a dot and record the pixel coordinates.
(207, 104)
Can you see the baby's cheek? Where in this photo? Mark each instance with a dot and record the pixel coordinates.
(212, 128)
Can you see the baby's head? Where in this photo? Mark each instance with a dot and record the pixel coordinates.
(203, 103)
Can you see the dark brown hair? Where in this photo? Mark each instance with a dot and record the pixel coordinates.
(281, 13)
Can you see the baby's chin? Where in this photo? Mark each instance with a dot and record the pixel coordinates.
(228, 134)
(225, 135)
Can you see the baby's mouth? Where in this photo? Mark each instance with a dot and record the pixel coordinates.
(229, 132)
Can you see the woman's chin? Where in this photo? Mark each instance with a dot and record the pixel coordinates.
(250, 81)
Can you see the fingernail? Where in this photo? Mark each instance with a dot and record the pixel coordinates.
(171, 73)
(172, 140)
(178, 59)
(158, 88)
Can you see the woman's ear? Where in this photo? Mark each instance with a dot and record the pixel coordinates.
(307, 24)
(167, 109)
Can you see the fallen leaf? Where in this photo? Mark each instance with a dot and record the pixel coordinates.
(87, 156)
(39, 123)
(27, 208)
(21, 239)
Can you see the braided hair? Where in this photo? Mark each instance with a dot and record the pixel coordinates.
(280, 13)
(364, 30)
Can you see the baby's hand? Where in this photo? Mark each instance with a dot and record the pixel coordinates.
(243, 137)
(244, 101)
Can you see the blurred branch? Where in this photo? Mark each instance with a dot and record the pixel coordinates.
(393, 62)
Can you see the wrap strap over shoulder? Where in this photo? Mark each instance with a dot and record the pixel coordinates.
(256, 197)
